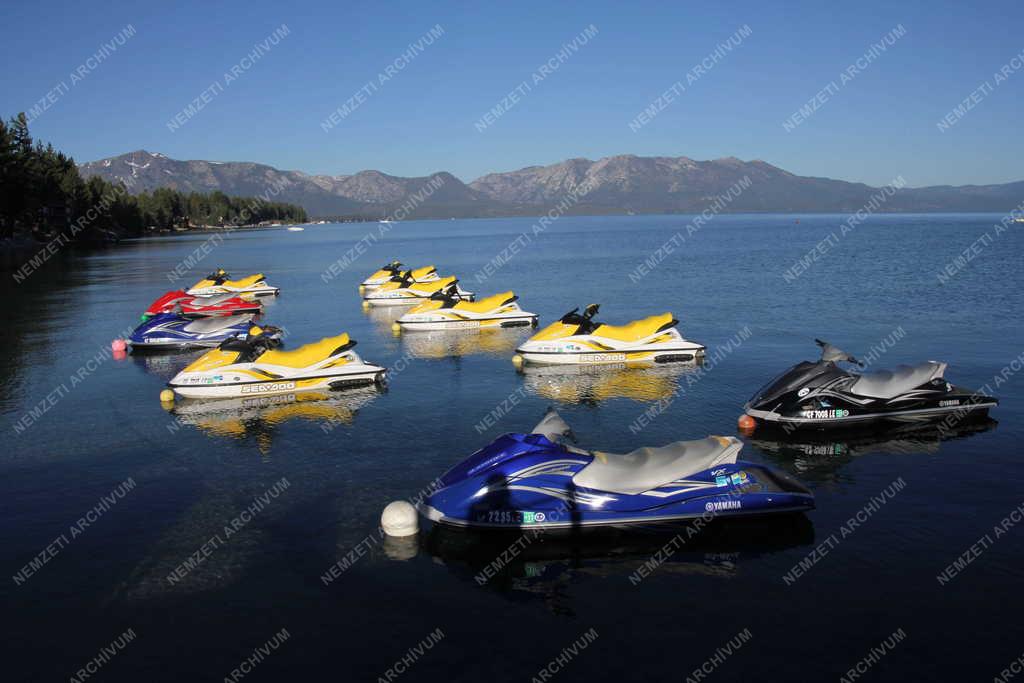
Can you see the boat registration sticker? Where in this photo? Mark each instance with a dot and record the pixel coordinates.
(825, 414)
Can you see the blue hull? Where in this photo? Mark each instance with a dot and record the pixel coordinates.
(525, 480)
(171, 331)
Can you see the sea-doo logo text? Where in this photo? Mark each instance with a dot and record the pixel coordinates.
(263, 388)
(723, 505)
(604, 357)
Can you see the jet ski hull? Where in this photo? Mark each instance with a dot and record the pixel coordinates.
(239, 383)
(527, 480)
(170, 331)
(568, 352)
(841, 414)
(403, 297)
(190, 306)
(259, 290)
(452, 319)
(821, 395)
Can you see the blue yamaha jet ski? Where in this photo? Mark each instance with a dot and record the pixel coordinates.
(173, 331)
(537, 480)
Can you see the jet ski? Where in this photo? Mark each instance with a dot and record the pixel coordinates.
(254, 366)
(576, 338)
(173, 331)
(219, 282)
(447, 310)
(403, 290)
(823, 395)
(394, 269)
(536, 480)
(190, 306)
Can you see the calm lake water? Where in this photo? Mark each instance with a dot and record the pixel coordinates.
(176, 480)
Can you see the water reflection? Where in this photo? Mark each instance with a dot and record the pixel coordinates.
(547, 566)
(457, 343)
(165, 363)
(818, 455)
(384, 316)
(592, 384)
(258, 417)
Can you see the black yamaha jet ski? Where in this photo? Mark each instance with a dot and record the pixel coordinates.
(823, 395)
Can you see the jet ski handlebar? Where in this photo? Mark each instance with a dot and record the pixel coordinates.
(834, 354)
(584, 321)
(448, 294)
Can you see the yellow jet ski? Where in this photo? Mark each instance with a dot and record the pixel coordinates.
(403, 290)
(256, 367)
(394, 269)
(219, 282)
(576, 338)
(447, 310)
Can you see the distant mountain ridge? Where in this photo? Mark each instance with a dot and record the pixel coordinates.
(617, 184)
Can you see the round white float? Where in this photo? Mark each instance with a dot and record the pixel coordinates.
(400, 519)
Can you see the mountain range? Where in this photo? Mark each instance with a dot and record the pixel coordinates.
(615, 185)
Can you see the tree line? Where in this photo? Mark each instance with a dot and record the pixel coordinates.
(42, 195)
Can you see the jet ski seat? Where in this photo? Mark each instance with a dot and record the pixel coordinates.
(423, 272)
(636, 330)
(431, 287)
(307, 354)
(215, 324)
(648, 468)
(244, 282)
(485, 305)
(892, 383)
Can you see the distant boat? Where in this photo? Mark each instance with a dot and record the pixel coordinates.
(1018, 220)
(295, 228)
(385, 221)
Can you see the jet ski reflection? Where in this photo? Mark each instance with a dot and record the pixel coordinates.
(259, 416)
(546, 566)
(165, 363)
(816, 456)
(445, 343)
(592, 384)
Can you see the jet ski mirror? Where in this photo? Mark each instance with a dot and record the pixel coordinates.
(834, 354)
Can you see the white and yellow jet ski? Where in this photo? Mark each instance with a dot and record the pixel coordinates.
(446, 310)
(404, 291)
(219, 282)
(255, 367)
(576, 338)
(394, 269)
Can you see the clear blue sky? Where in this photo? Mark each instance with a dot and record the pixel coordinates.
(879, 125)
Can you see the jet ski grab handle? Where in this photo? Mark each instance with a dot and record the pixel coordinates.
(833, 354)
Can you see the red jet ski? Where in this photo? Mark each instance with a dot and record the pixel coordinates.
(191, 306)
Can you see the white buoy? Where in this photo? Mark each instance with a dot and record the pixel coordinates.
(400, 519)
